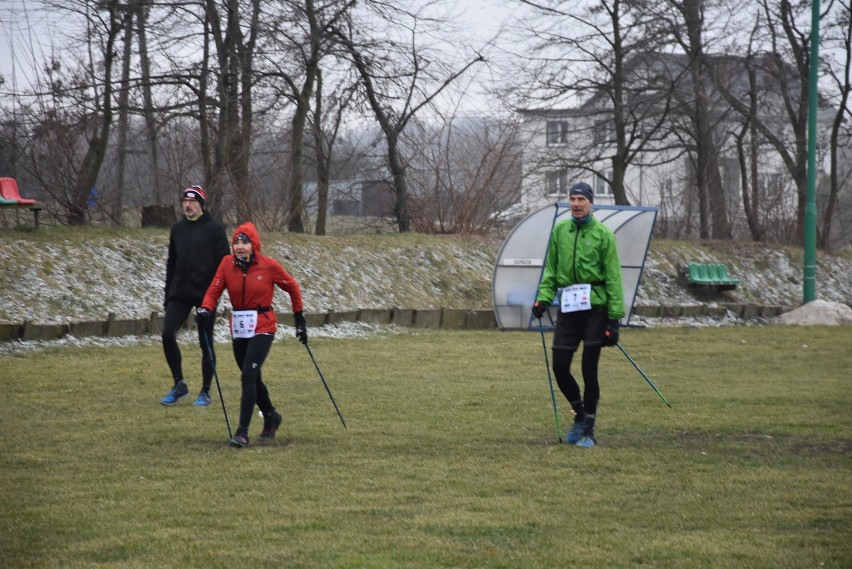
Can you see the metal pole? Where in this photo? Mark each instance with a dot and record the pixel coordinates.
(326, 385)
(216, 375)
(550, 381)
(651, 383)
(809, 280)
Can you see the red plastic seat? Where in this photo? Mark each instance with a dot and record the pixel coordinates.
(9, 191)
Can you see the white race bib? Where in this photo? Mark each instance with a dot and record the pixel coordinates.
(243, 323)
(576, 297)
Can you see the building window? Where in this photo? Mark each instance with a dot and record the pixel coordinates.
(557, 132)
(604, 132)
(556, 182)
(602, 187)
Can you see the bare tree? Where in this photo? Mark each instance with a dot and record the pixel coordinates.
(104, 21)
(304, 31)
(747, 155)
(146, 83)
(602, 55)
(399, 79)
(781, 119)
(326, 123)
(468, 168)
(123, 112)
(685, 21)
(235, 76)
(838, 68)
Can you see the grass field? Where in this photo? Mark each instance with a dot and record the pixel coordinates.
(450, 458)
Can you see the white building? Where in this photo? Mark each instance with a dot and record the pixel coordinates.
(563, 146)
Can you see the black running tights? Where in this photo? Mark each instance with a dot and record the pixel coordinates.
(176, 313)
(250, 354)
(589, 367)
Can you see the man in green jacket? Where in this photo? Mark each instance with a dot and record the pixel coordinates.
(582, 273)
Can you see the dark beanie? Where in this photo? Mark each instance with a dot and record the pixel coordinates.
(194, 193)
(582, 189)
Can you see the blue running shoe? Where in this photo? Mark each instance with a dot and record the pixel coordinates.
(575, 433)
(587, 438)
(586, 442)
(178, 392)
(203, 399)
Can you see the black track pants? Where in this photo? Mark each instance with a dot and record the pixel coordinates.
(589, 368)
(176, 313)
(250, 354)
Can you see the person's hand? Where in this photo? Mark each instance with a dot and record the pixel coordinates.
(611, 333)
(301, 327)
(539, 308)
(202, 317)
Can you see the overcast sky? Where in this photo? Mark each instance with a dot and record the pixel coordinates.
(25, 29)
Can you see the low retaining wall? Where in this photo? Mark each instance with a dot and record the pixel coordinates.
(112, 326)
(447, 318)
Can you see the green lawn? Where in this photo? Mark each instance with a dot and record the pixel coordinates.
(450, 458)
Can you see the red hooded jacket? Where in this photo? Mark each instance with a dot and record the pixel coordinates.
(254, 288)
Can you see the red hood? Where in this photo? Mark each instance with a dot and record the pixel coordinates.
(250, 230)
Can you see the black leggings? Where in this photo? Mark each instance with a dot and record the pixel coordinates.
(176, 313)
(589, 367)
(250, 354)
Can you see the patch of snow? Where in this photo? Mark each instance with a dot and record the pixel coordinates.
(78, 280)
(819, 313)
(188, 337)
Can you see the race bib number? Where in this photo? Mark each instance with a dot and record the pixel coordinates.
(243, 323)
(576, 297)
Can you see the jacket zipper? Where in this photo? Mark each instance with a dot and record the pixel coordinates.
(574, 258)
(243, 303)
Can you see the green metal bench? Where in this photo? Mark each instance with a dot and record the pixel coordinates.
(712, 275)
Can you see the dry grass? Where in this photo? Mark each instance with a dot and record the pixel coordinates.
(450, 458)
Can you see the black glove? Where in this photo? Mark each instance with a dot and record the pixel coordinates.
(611, 333)
(202, 317)
(539, 308)
(301, 327)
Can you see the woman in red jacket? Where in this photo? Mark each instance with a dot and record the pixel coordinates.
(251, 279)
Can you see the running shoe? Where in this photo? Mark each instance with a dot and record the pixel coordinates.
(203, 399)
(239, 441)
(270, 425)
(575, 433)
(586, 442)
(178, 392)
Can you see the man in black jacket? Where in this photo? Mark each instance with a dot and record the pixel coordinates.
(196, 245)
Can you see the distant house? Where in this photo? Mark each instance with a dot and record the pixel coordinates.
(552, 137)
(563, 146)
(359, 198)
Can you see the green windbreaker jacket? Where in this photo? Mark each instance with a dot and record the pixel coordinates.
(584, 253)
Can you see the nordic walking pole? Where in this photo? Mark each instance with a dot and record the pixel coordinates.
(216, 375)
(550, 381)
(651, 383)
(325, 384)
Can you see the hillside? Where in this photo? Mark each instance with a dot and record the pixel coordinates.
(64, 275)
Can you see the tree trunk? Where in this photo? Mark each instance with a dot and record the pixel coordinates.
(123, 98)
(296, 223)
(147, 98)
(749, 191)
(619, 159)
(205, 145)
(400, 181)
(96, 150)
(711, 194)
(323, 161)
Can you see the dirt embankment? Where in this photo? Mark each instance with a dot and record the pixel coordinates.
(86, 275)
